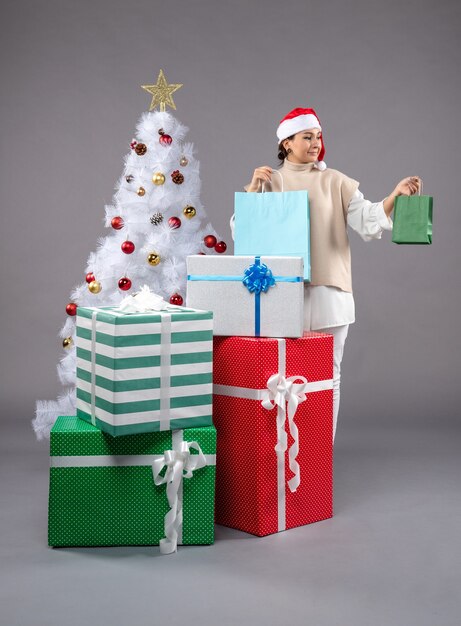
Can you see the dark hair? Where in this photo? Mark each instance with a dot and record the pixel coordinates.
(282, 154)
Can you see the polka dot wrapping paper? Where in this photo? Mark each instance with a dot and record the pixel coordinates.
(118, 504)
(247, 469)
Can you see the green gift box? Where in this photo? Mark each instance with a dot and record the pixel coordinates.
(144, 372)
(144, 489)
(412, 220)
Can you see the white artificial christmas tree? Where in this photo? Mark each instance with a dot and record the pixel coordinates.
(155, 221)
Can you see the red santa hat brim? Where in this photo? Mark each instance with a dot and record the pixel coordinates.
(291, 126)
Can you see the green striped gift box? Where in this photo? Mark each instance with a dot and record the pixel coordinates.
(102, 490)
(144, 372)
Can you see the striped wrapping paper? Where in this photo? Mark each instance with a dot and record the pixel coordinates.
(144, 372)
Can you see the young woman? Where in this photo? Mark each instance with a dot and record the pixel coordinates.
(335, 203)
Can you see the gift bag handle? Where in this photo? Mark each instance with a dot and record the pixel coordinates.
(281, 177)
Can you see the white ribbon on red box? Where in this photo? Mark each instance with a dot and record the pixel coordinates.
(285, 394)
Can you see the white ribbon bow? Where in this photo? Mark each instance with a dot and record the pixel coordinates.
(179, 464)
(285, 391)
(143, 301)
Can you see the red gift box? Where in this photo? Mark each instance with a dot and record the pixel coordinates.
(273, 411)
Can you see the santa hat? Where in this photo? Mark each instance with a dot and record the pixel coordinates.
(297, 121)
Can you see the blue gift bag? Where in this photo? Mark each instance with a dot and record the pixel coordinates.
(273, 224)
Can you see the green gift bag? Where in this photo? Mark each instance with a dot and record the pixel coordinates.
(412, 220)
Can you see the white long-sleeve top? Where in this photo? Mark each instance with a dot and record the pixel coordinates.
(324, 306)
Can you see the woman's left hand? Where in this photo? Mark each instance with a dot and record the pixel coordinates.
(408, 186)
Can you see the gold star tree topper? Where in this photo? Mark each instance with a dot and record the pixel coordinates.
(162, 93)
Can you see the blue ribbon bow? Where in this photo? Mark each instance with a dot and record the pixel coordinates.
(258, 277)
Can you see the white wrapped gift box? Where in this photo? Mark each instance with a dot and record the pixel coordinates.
(249, 296)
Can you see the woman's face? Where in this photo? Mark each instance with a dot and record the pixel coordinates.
(305, 146)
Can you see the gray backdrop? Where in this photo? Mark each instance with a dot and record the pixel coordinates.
(383, 77)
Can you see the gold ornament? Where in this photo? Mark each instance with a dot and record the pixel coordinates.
(183, 161)
(153, 258)
(189, 212)
(95, 286)
(162, 93)
(158, 178)
(141, 191)
(67, 342)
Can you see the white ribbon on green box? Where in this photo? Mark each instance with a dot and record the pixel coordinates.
(179, 463)
(285, 394)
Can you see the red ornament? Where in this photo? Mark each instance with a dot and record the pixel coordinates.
(210, 241)
(201, 253)
(90, 277)
(117, 222)
(71, 309)
(165, 139)
(221, 246)
(133, 144)
(176, 299)
(174, 222)
(124, 283)
(127, 247)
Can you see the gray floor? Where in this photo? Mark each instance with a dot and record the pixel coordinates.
(390, 556)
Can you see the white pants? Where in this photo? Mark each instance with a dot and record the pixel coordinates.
(339, 333)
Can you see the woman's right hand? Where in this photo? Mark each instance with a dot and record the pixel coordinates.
(261, 175)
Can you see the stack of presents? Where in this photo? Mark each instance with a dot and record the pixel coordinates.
(220, 411)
